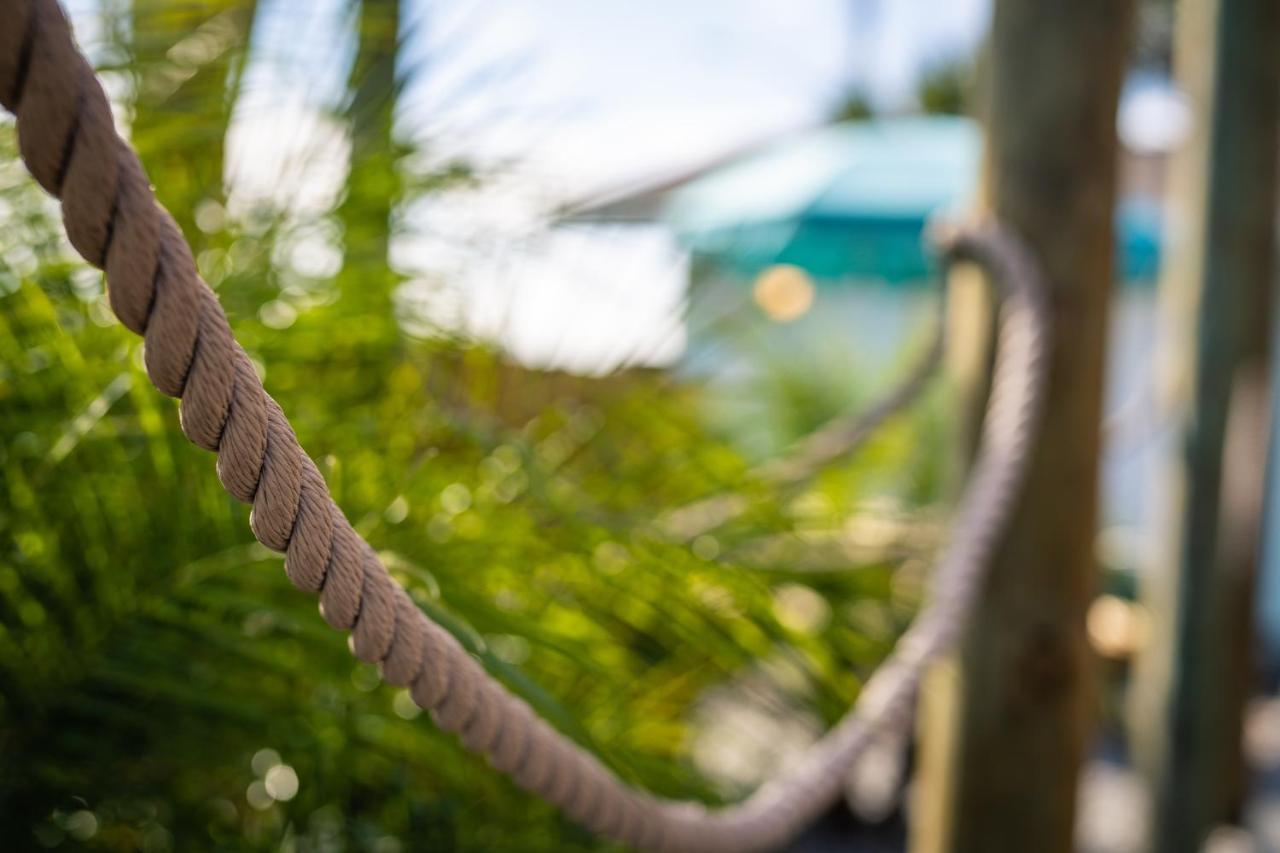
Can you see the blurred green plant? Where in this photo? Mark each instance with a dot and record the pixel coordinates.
(854, 105)
(161, 684)
(947, 88)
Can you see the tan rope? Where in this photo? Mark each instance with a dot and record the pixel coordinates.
(846, 434)
(69, 143)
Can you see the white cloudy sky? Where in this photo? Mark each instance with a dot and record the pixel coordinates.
(593, 94)
(584, 96)
(645, 86)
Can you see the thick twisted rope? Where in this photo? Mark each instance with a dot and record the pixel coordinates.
(69, 144)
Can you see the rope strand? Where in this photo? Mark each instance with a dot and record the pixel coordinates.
(69, 144)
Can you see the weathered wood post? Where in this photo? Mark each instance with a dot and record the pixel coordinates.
(1000, 771)
(1188, 702)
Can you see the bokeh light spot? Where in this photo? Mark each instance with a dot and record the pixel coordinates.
(784, 292)
(404, 706)
(257, 797)
(800, 609)
(81, 825)
(455, 498)
(263, 760)
(282, 783)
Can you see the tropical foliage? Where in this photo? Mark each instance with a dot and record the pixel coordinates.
(161, 684)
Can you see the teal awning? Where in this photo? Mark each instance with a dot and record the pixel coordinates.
(852, 201)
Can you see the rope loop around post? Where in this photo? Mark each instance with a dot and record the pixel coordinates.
(69, 144)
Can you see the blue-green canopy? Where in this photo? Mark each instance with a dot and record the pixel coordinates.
(852, 200)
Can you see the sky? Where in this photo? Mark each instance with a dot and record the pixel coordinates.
(583, 97)
(561, 101)
(629, 90)
(589, 96)
(566, 100)
(592, 97)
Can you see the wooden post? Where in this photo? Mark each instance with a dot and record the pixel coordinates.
(1188, 701)
(1002, 774)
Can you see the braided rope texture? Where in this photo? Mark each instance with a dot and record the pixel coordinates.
(69, 143)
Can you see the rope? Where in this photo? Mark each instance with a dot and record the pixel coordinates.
(846, 434)
(69, 143)
(840, 437)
